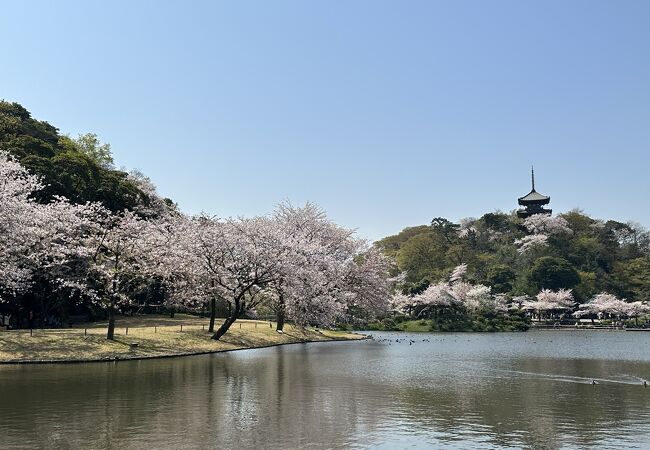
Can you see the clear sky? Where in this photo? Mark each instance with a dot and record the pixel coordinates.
(386, 114)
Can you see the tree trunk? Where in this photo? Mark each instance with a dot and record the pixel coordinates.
(110, 334)
(213, 313)
(236, 311)
(224, 327)
(111, 320)
(280, 314)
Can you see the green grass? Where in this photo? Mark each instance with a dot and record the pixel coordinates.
(155, 336)
(415, 325)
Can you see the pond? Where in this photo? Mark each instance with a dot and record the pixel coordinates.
(456, 390)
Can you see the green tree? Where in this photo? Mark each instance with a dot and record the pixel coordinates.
(422, 257)
(391, 244)
(500, 278)
(549, 272)
(89, 145)
(631, 279)
(79, 169)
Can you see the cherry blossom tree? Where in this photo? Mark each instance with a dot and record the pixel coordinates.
(600, 305)
(531, 241)
(550, 302)
(199, 238)
(309, 288)
(166, 258)
(327, 273)
(44, 242)
(367, 282)
(152, 205)
(608, 305)
(236, 259)
(117, 258)
(436, 296)
(540, 227)
(57, 253)
(454, 293)
(545, 224)
(637, 309)
(16, 227)
(458, 273)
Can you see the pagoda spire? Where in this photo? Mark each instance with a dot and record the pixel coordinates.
(532, 176)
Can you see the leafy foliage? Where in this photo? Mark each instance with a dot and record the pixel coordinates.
(516, 257)
(79, 169)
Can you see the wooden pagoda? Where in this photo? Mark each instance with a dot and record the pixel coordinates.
(533, 202)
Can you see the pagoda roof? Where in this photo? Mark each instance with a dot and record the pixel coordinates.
(534, 196)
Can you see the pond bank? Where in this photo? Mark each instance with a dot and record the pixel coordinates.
(148, 337)
(468, 324)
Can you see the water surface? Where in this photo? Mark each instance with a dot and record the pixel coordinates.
(455, 390)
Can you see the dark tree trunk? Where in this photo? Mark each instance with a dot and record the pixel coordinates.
(280, 314)
(234, 315)
(110, 335)
(225, 326)
(213, 314)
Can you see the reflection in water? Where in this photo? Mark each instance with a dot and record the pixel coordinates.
(477, 390)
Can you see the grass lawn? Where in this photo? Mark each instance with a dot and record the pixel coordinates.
(155, 335)
(416, 325)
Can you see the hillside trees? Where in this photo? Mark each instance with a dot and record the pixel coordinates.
(77, 169)
(549, 272)
(90, 145)
(517, 257)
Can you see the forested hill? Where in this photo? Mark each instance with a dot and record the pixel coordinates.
(80, 169)
(511, 256)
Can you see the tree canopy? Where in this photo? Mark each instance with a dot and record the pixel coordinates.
(79, 169)
(517, 257)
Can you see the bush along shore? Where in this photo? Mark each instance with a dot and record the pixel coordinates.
(481, 323)
(150, 337)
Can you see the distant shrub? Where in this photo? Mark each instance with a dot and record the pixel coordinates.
(389, 324)
(399, 318)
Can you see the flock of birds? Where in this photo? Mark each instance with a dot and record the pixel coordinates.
(400, 341)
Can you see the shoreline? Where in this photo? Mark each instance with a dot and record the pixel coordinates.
(532, 328)
(151, 337)
(362, 337)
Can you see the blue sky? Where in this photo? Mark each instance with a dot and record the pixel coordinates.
(384, 113)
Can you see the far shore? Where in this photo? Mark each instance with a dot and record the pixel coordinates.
(151, 336)
(423, 326)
